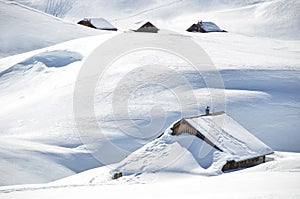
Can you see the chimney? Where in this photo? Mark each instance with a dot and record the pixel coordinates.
(207, 110)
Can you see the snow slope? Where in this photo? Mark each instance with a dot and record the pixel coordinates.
(39, 138)
(264, 18)
(35, 95)
(273, 19)
(257, 182)
(24, 29)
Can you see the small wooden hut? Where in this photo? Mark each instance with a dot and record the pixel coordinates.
(97, 23)
(146, 27)
(226, 135)
(204, 27)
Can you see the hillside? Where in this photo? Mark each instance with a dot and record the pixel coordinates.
(263, 18)
(139, 93)
(261, 181)
(38, 86)
(37, 31)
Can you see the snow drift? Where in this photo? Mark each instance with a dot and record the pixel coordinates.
(190, 154)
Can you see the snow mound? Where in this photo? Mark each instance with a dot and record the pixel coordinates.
(57, 58)
(183, 154)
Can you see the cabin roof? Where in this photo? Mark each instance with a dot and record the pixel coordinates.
(209, 27)
(141, 24)
(205, 27)
(228, 135)
(147, 24)
(100, 23)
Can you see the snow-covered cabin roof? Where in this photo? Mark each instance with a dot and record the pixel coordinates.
(229, 136)
(100, 23)
(136, 25)
(209, 27)
(205, 27)
(143, 26)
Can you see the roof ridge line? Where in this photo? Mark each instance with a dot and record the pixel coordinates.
(212, 114)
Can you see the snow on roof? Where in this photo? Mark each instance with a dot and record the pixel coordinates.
(137, 25)
(229, 136)
(101, 23)
(209, 27)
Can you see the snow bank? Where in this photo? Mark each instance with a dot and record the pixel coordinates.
(261, 181)
(183, 154)
(58, 58)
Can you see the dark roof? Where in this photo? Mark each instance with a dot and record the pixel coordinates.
(148, 24)
(146, 27)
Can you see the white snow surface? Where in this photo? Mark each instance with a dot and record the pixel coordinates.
(35, 95)
(258, 61)
(278, 178)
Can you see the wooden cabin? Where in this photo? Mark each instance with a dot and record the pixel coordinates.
(204, 27)
(97, 23)
(226, 135)
(146, 27)
(86, 22)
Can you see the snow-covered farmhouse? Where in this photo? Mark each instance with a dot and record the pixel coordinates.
(97, 23)
(204, 27)
(226, 135)
(146, 27)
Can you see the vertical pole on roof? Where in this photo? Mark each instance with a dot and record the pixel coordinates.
(207, 110)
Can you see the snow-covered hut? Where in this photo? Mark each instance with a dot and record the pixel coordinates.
(226, 135)
(204, 27)
(98, 23)
(146, 27)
